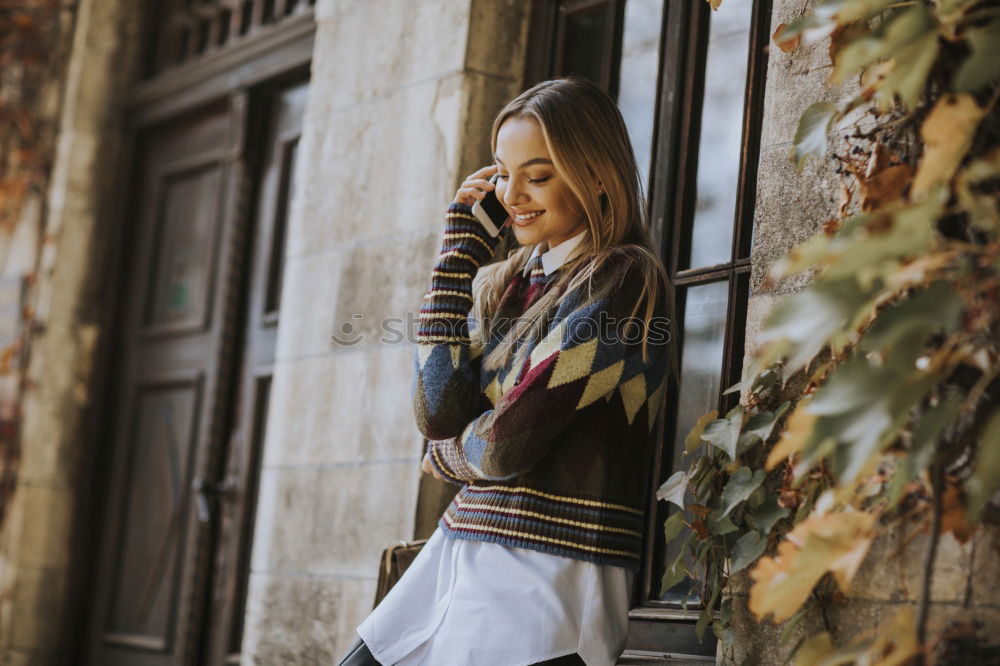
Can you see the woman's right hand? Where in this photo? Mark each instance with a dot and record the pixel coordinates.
(475, 186)
(427, 468)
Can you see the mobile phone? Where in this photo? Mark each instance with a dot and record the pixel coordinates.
(490, 212)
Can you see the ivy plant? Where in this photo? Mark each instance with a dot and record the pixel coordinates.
(892, 347)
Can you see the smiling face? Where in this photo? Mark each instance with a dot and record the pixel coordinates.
(538, 199)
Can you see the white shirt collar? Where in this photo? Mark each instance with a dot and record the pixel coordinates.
(557, 256)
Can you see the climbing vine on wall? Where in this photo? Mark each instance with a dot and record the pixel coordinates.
(891, 350)
(29, 37)
(31, 45)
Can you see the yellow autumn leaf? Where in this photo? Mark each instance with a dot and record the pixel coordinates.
(835, 542)
(891, 644)
(715, 4)
(947, 133)
(693, 439)
(797, 431)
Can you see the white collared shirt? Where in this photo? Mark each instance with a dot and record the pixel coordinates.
(555, 257)
(465, 602)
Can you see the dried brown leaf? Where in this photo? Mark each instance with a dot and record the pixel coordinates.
(786, 45)
(953, 516)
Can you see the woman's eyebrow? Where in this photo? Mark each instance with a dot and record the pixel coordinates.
(534, 160)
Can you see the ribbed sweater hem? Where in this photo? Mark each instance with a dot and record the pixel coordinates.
(522, 517)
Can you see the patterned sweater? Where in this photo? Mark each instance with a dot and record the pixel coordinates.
(553, 455)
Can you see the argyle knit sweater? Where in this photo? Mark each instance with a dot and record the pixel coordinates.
(553, 455)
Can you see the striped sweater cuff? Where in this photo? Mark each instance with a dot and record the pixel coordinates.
(448, 458)
(466, 246)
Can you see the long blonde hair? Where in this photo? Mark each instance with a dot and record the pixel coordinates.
(586, 138)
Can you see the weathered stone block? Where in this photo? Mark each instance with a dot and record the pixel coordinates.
(385, 167)
(303, 620)
(893, 570)
(333, 520)
(389, 45)
(360, 510)
(362, 408)
(985, 566)
(39, 602)
(45, 533)
(285, 502)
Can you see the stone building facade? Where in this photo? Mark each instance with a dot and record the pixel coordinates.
(205, 476)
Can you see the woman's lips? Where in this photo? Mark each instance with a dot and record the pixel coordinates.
(524, 222)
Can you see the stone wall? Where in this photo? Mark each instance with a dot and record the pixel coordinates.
(791, 206)
(64, 243)
(401, 101)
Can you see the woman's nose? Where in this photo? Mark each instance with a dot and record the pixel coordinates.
(512, 194)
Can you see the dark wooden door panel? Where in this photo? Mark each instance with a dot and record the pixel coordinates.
(146, 578)
(186, 234)
(168, 416)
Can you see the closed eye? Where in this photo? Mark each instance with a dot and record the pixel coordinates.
(532, 181)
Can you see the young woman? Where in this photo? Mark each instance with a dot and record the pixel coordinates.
(538, 380)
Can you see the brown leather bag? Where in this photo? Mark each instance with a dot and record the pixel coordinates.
(395, 560)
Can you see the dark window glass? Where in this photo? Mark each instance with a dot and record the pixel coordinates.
(640, 59)
(586, 36)
(721, 134)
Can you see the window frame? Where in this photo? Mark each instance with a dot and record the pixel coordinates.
(683, 46)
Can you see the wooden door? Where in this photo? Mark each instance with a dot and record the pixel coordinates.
(282, 110)
(173, 383)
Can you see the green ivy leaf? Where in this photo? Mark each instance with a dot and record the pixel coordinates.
(725, 433)
(856, 410)
(707, 614)
(673, 489)
(762, 423)
(726, 611)
(827, 15)
(926, 435)
(675, 572)
(983, 65)
(673, 525)
(723, 634)
(719, 524)
(848, 11)
(874, 255)
(767, 514)
(757, 382)
(740, 486)
(896, 34)
(983, 209)
(747, 550)
(901, 331)
(853, 385)
(908, 78)
(808, 320)
(986, 475)
(810, 137)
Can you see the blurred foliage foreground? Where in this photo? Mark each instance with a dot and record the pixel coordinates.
(891, 350)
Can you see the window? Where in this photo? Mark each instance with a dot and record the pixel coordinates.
(690, 84)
